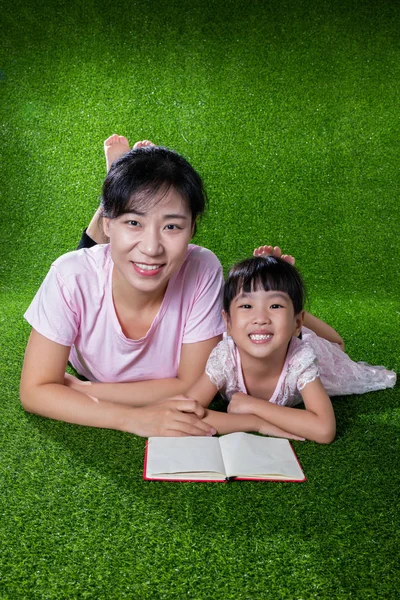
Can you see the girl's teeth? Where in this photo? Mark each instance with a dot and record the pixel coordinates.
(259, 336)
(148, 267)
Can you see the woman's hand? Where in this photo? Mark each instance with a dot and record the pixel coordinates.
(273, 251)
(178, 417)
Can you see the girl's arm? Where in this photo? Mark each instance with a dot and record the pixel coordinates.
(141, 393)
(204, 391)
(316, 422)
(322, 329)
(43, 392)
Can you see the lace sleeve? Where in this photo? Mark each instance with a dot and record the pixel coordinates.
(307, 367)
(220, 366)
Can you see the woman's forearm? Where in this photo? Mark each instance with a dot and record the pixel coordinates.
(168, 418)
(136, 393)
(62, 403)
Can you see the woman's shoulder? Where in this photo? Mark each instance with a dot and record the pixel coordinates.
(83, 261)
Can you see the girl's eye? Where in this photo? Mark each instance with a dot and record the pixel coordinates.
(276, 306)
(245, 306)
(133, 223)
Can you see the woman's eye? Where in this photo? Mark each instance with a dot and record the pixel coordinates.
(133, 223)
(171, 227)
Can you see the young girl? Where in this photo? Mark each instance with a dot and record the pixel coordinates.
(269, 361)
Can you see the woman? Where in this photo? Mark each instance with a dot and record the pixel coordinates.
(138, 317)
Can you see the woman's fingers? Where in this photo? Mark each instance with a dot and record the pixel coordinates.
(273, 251)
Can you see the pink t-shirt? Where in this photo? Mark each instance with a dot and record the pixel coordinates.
(74, 307)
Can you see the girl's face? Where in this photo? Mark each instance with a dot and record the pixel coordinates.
(148, 247)
(262, 323)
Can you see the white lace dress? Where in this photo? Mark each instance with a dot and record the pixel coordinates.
(306, 359)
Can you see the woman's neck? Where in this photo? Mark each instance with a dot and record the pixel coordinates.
(135, 300)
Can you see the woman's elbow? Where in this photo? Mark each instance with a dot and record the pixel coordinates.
(325, 434)
(27, 398)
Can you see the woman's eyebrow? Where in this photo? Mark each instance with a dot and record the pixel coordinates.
(175, 216)
(139, 213)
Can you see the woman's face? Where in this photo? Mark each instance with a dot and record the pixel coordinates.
(148, 247)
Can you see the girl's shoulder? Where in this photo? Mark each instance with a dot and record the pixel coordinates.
(221, 364)
(301, 353)
(203, 257)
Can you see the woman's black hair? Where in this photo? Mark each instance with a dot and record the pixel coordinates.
(264, 273)
(139, 175)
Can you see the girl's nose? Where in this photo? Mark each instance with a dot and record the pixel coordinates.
(262, 319)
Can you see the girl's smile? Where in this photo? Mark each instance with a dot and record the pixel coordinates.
(262, 323)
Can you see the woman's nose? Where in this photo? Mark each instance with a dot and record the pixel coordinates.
(150, 243)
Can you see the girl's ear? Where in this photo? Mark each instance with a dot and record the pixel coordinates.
(227, 322)
(298, 319)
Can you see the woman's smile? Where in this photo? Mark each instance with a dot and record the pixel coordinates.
(147, 270)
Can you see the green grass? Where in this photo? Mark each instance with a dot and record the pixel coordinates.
(289, 110)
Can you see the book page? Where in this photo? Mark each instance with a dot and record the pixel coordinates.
(184, 458)
(247, 455)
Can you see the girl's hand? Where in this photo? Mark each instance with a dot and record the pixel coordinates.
(276, 251)
(175, 417)
(240, 404)
(243, 404)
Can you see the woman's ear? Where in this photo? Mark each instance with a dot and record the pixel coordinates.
(106, 226)
(298, 319)
(227, 322)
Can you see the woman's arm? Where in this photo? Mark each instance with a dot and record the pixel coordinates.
(322, 329)
(316, 422)
(43, 392)
(141, 393)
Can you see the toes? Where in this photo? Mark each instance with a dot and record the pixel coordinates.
(111, 140)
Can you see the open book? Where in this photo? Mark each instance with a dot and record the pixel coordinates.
(233, 456)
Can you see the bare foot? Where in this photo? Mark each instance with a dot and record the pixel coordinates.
(276, 251)
(114, 147)
(142, 144)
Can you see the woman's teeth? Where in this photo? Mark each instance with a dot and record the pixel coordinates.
(147, 267)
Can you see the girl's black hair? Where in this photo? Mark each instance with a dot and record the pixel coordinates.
(139, 175)
(264, 273)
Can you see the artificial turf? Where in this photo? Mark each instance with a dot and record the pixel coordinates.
(289, 110)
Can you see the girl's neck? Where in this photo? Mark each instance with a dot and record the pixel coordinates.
(259, 368)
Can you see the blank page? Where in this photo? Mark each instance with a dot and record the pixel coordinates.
(250, 455)
(186, 456)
